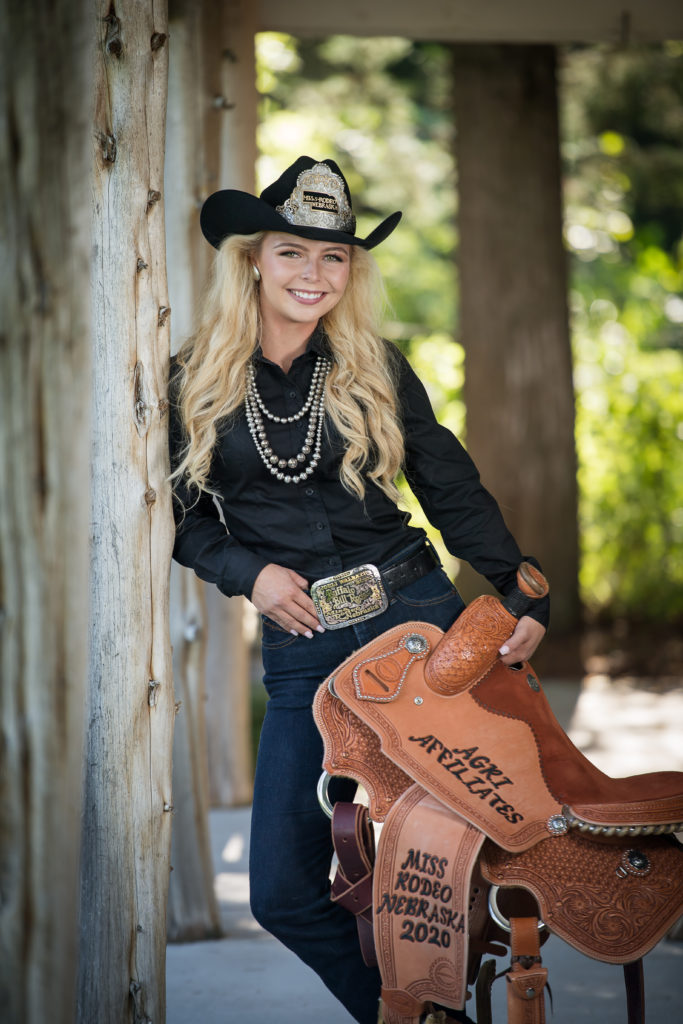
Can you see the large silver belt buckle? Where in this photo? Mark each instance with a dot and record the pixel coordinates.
(349, 597)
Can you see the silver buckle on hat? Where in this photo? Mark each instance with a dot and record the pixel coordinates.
(319, 201)
(349, 597)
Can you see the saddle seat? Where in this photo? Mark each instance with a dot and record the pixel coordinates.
(650, 804)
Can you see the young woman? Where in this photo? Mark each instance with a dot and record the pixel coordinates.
(290, 409)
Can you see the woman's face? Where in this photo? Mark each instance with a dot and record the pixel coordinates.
(301, 280)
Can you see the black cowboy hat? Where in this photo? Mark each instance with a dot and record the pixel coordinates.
(311, 199)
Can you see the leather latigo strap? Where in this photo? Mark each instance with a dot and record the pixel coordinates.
(526, 979)
(421, 894)
(635, 992)
(354, 844)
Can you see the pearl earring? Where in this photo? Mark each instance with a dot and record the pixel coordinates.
(257, 272)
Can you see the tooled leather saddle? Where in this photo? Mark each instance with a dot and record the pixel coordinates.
(495, 827)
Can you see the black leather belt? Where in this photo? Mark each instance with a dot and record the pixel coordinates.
(361, 593)
(414, 568)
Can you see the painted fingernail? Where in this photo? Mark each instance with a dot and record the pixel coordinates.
(293, 632)
(320, 629)
(308, 634)
(504, 649)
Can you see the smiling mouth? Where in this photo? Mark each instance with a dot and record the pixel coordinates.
(306, 296)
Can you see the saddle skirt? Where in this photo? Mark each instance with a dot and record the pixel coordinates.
(613, 900)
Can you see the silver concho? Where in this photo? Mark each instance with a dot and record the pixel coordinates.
(415, 643)
(557, 825)
(319, 200)
(634, 862)
(533, 683)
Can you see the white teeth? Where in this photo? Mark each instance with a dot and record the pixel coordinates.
(307, 295)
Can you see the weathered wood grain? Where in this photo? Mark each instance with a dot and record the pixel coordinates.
(211, 115)
(44, 448)
(130, 706)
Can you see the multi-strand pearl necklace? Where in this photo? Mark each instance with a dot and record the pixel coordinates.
(314, 405)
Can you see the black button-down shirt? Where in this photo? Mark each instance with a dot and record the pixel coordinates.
(316, 527)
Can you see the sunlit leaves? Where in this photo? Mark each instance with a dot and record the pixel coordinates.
(623, 148)
(629, 407)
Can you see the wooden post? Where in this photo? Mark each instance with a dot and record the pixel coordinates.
(228, 680)
(45, 95)
(228, 703)
(130, 709)
(192, 905)
(212, 133)
(513, 305)
(205, 50)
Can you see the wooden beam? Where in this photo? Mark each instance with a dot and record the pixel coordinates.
(494, 21)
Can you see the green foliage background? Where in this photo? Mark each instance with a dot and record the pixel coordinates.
(382, 109)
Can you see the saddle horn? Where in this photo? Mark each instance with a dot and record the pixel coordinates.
(470, 647)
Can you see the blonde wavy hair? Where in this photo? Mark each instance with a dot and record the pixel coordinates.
(210, 381)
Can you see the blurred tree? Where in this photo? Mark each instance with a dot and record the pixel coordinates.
(513, 290)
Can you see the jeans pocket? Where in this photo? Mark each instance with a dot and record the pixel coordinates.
(274, 637)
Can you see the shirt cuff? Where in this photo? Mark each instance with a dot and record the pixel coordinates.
(244, 568)
(540, 608)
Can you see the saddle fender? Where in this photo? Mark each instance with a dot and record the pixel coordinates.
(422, 897)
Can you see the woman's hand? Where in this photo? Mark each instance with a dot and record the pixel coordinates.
(282, 595)
(523, 642)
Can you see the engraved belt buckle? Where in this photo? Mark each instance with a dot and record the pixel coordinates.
(349, 597)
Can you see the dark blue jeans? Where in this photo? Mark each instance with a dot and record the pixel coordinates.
(291, 845)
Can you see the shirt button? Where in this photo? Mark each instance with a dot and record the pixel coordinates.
(310, 491)
(292, 394)
(321, 526)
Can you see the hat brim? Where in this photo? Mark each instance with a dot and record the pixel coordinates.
(231, 212)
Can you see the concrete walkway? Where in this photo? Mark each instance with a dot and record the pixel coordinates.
(625, 727)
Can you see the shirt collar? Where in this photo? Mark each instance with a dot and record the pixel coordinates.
(318, 343)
